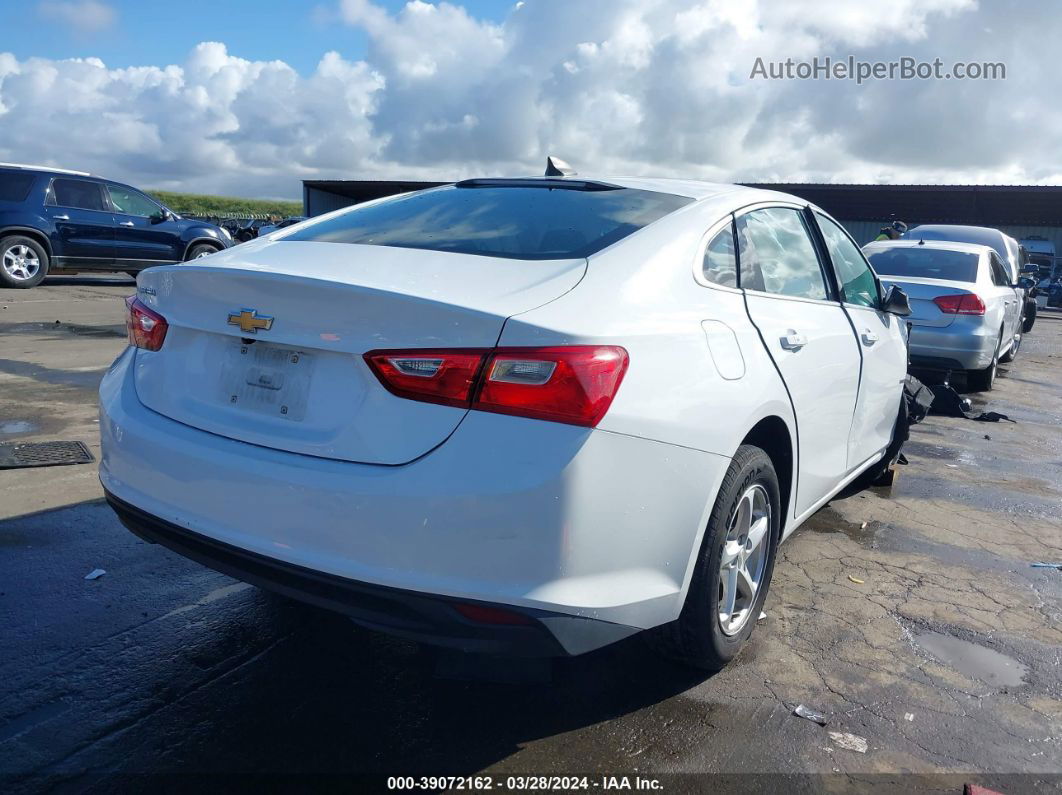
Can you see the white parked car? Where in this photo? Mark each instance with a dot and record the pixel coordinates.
(525, 415)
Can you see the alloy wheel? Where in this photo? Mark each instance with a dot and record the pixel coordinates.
(744, 559)
(21, 262)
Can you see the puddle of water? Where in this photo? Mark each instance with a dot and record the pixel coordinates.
(17, 426)
(973, 660)
(828, 520)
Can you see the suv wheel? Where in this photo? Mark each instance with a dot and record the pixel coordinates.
(200, 250)
(733, 570)
(23, 262)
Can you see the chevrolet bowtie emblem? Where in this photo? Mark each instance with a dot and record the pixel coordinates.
(250, 321)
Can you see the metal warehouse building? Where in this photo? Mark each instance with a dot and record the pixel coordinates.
(1019, 210)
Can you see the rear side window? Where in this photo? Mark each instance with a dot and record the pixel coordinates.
(777, 256)
(999, 272)
(500, 221)
(78, 193)
(720, 259)
(15, 186)
(926, 263)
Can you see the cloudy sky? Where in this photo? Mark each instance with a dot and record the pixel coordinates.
(248, 97)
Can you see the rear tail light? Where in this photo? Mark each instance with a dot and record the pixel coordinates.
(963, 304)
(444, 376)
(572, 384)
(146, 327)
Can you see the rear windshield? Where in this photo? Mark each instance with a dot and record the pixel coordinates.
(500, 221)
(15, 185)
(926, 263)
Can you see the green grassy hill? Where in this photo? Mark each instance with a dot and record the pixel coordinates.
(198, 204)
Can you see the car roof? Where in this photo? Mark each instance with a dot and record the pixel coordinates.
(690, 188)
(944, 245)
(45, 169)
(970, 234)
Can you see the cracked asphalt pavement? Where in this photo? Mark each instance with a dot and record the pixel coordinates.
(910, 617)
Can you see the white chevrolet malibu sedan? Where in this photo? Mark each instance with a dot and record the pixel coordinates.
(529, 416)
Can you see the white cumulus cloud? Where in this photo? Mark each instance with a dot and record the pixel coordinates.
(614, 86)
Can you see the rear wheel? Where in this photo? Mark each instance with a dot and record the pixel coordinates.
(982, 380)
(23, 262)
(1012, 354)
(733, 571)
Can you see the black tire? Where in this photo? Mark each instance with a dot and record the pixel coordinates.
(1030, 315)
(697, 637)
(200, 250)
(16, 251)
(983, 380)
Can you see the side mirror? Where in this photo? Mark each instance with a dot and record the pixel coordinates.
(161, 216)
(896, 302)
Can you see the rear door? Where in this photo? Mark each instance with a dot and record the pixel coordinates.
(1006, 294)
(142, 234)
(809, 337)
(83, 223)
(882, 344)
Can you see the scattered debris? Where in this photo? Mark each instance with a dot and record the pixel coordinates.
(763, 615)
(993, 416)
(949, 403)
(952, 466)
(849, 741)
(95, 574)
(1047, 566)
(810, 714)
(856, 580)
(863, 526)
(908, 716)
(988, 437)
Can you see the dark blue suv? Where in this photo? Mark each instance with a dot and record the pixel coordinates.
(56, 221)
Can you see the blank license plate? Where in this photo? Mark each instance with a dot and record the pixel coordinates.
(267, 379)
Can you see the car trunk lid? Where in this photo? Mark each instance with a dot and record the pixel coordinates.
(265, 341)
(921, 292)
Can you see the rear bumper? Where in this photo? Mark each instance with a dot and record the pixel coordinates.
(960, 346)
(433, 620)
(591, 532)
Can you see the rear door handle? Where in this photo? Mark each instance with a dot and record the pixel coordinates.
(63, 217)
(793, 341)
(869, 337)
(125, 223)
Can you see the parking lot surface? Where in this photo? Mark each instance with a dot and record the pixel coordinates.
(910, 617)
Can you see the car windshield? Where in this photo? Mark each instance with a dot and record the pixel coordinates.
(515, 221)
(926, 263)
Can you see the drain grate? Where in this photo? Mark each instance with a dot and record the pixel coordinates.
(43, 454)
